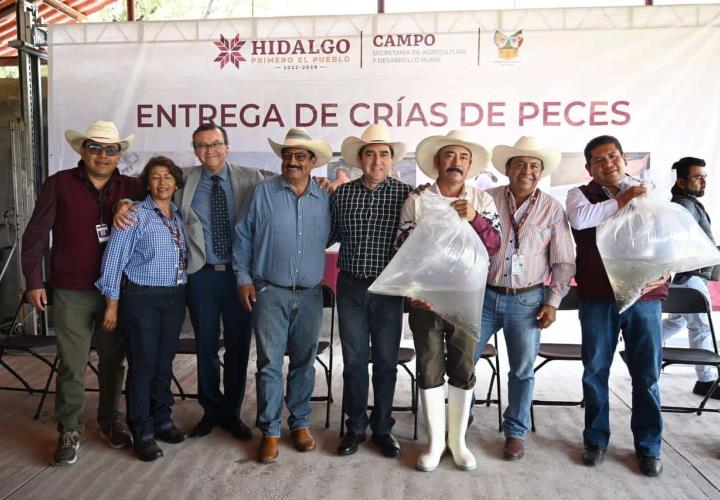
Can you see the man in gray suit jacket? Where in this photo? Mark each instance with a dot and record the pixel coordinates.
(210, 203)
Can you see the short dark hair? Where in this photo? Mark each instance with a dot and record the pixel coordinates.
(682, 166)
(161, 161)
(392, 151)
(210, 126)
(601, 141)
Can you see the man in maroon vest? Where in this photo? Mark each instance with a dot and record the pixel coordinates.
(587, 207)
(76, 205)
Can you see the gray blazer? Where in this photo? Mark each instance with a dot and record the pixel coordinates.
(243, 180)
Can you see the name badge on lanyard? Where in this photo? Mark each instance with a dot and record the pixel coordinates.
(103, 232)
(517, 264)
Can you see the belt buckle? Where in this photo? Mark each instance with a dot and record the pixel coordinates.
(219, 267)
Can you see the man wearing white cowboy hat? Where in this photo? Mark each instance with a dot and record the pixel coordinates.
(536, 246)
(441, 348)
(279, 260)
(76, 205)
(365, 218)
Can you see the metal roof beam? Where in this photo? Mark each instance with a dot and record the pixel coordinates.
(65, 9)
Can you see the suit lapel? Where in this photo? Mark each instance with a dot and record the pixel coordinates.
(189, 190)
(235, 181)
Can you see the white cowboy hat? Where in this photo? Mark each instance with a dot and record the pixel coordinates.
(374, 134)
(428, 148)
(99, 131)
(527, 146)
(299, 138)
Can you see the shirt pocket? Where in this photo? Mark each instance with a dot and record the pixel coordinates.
(538, 239)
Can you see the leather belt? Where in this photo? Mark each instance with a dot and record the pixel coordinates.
(513, 291)
(218, 267)
(293, 288)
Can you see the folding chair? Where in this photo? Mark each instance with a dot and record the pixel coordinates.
(13, 341)
(489, 353)
(327, 345)
(683, 301)
(559, 352)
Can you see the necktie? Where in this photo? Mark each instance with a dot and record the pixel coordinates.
(219, 220)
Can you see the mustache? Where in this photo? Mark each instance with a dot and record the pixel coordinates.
(294, 166)
(455, 169)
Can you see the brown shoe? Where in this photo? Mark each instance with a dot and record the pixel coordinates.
(303, 440)
(514, 448)
(268, 450)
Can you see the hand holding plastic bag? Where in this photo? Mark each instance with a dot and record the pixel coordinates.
(443, 262)
(650, 237)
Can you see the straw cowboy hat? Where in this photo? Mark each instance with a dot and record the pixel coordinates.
(374, 134)
(99, 131)
(299, 138)
(428, 148)
(527, 146)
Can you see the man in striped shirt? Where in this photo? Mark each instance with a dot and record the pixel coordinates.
(365, 217)
(536, 245)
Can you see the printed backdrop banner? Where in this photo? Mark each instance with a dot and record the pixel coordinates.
(646, 75)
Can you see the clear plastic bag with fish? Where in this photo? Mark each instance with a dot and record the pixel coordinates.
(443, 262)
(650, 237)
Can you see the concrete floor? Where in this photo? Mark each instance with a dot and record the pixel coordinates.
(219, 466)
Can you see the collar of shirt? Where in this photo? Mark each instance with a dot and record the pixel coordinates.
(149, 204)
(378, 189)
(627, 182)
(223, 174)
(511, 197)
(463, 195)
(82, 173)
(313, 188)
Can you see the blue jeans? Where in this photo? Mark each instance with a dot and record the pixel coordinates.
(285, 321)
(212, 294)
(515, 314)
(151, 318)
(698, 328)
(641, 327)
(368, 323)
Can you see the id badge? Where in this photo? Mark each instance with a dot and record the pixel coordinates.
(518, 265)
(103, 233)
(180, 277)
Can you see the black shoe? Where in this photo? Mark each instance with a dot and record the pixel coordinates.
(171, 435)
(67, 447)
(116, 434)
(593, 454)
(650, 466)
(349, 443)
(237, 428)
(702, 388)
(203, 427)
(388, 445)
(147, 451)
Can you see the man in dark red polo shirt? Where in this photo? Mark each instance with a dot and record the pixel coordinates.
(76, 205)
(587, 207)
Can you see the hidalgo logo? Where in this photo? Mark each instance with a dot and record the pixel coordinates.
(229, 51)
(325, 50)
(508, 45)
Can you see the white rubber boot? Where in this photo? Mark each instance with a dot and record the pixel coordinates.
(433, 407)
(459, 401)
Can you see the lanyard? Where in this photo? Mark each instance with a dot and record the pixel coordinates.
(517, 225)
(175, 234)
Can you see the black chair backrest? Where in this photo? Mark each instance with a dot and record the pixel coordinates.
(328, 296)
(569, 302)
(685, 300)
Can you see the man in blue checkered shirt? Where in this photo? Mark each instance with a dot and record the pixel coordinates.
(365, 217)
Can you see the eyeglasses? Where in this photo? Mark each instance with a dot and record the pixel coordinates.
(207, 147)
(96, 149)
(301, 157)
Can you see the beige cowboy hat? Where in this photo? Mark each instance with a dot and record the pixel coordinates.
(99, 131)
(526, 146)
(374, 134)
(299, 138)
(428, 148)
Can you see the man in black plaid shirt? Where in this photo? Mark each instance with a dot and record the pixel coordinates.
(365, 218)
